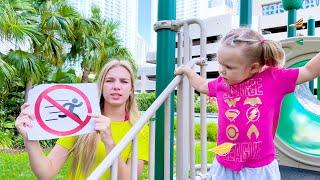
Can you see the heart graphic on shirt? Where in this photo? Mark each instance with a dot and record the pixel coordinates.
(232, 114)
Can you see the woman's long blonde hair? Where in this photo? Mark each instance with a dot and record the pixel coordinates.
(84, 150)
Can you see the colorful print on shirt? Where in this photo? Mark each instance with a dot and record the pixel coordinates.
(248, 115)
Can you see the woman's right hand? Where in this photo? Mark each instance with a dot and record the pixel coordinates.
(23, 121)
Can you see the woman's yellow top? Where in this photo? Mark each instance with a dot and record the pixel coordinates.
(119, 130)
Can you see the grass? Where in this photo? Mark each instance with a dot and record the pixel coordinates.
(16, 165)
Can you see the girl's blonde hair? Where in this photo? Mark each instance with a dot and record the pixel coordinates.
(254, 47)
(84, 150)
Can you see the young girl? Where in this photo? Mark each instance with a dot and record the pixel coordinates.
(249, 91)
(119, 111)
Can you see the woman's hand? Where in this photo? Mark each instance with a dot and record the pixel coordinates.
(23, 121)
(103, 128)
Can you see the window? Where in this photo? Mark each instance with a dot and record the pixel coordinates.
(276, 8)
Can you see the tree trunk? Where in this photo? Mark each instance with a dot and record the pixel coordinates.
(85, 75)
(27, 89)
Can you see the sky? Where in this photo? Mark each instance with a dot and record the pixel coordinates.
(144, 19)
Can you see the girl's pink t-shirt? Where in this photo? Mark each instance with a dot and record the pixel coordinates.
(249, 114)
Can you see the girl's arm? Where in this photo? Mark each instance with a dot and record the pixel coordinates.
(310, 71)
(43, 167)
(196, 81)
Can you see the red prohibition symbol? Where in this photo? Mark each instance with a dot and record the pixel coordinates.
(45, 96)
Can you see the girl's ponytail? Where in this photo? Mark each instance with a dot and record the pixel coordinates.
(254, 47)
(272, 53)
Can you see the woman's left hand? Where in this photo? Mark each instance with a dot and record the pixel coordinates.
(103, 128)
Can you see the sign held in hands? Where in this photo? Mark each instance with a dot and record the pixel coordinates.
(62, 110)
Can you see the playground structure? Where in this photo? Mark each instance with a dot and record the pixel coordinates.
(298, 135)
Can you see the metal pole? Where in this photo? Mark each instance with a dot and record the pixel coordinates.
(245, 13)
(311, 26)
(116, 151)
(114, 170)
(134, 158)
(182, 119)
(311, 32)
(167, 120)
(292, 17)
(165, 68)
(152, 135)
(191, 124)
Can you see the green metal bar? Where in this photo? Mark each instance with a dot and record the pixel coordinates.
(311, 32)
(311, 27)
(292, 17)
(165, 68)
(245, 13)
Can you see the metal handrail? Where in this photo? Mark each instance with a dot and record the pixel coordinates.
(185, 130)
(115, 152)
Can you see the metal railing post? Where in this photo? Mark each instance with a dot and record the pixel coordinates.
(182, 117)
(114, 170)
(152, 138)
(134, 158)
(167, 152)
(116, 151)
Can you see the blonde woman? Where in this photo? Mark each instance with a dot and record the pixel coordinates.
(119, 111)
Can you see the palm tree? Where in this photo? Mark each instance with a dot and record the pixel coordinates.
(95, 43)
(18, 30)
(6, 73)
(27, 65)
(64, 76)
(56, 22)
(44, 26)
(86, 45)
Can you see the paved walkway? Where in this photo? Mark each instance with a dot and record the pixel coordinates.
(289, 173)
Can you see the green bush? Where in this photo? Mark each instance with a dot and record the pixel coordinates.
(144, 101)
(211, 132)
(10, 102)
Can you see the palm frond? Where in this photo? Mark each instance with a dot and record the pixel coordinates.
(25, 63)
(7, 73)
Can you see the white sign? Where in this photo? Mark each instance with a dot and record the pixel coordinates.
(62, 110)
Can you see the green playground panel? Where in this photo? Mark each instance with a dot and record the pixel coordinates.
(299, 128)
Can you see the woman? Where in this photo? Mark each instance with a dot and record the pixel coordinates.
(119, 112)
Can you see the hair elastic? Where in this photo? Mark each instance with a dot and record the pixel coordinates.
(262, 41)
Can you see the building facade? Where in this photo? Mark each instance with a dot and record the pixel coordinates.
(273, 21)
(187, 9)
(273, 24)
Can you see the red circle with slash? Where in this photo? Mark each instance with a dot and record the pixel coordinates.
(44, 96)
